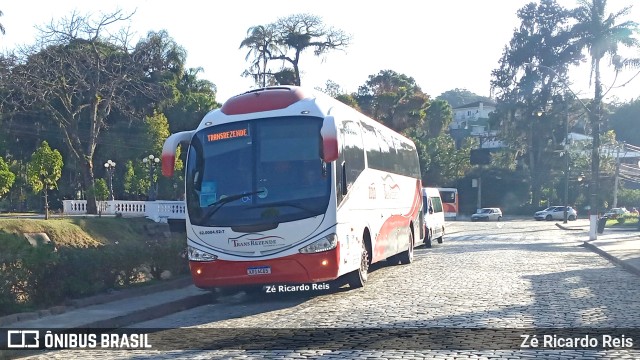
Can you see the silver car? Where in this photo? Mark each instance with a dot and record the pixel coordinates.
(556, 213)
(487, 214)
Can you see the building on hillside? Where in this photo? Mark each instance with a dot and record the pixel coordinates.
(472, 120)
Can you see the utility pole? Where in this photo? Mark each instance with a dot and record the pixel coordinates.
(616, 179)
(479, 204)
(566, 160)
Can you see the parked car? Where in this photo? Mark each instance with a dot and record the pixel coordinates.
(556, 213)
(615, 212)
(487, 214)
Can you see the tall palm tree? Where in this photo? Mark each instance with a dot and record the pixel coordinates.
(261, 44)
(601, 35)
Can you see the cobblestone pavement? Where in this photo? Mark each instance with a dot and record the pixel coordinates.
(519, 275)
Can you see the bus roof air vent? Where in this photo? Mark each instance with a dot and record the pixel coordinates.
(265, 99)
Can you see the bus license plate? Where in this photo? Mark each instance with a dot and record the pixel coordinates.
(259, 270)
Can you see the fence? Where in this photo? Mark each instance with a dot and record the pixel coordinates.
(158, 211)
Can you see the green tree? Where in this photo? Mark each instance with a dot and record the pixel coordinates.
(332, 89)
(157, 130)
(43, 172)
(531, 75)
(439, 116)
(458, 97)
(626, 123)
(286, 40)
(602, 34)
(393, 99)
(101, 190)
(136, 180)
(194, 99)
(6, 177)
(81, 73)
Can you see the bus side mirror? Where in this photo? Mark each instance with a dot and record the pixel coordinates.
(169, 150)
(329, 134)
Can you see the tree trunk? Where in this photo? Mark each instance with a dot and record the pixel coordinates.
(533, 177)
(46, 203)
(89, 185)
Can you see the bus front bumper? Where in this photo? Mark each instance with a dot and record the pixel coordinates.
(292, 269)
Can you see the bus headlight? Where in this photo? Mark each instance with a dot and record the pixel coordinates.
(199, 255)
(325, 244)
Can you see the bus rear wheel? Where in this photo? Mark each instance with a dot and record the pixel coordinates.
(407, 256)
(357, 279)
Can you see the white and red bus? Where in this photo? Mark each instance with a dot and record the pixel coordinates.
(290, 186)
(449, 198)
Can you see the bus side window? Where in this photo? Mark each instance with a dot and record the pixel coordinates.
(339, 177)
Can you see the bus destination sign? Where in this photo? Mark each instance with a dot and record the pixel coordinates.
(230, 134)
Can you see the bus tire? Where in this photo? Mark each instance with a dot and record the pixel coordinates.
(406, 257)
(357, 279)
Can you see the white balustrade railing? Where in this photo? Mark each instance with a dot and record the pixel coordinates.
(158, 211)
(161, 211)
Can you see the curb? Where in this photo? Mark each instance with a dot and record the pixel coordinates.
(180, 282)
(611, 258)
(152, 312)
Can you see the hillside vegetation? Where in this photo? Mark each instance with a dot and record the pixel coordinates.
(86, 256)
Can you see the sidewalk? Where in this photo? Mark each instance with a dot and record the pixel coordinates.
(620, 246)
(127, 307)
(115, 310)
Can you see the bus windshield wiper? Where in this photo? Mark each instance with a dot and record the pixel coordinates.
(214, 206)
(282, 203)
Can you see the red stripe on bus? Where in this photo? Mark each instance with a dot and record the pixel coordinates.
(383, 241)
(168, 164)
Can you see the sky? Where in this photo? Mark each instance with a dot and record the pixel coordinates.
(443, 45)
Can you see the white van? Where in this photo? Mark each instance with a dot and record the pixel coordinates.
(433, 216)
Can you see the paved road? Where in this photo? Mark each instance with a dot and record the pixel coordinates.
(514, 274)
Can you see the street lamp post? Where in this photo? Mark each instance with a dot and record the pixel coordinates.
(566, 162)
(110, 167)
(152, 161)
(595, 155)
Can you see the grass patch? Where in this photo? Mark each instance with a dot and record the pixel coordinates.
(80, 232)
(62, 232)
(629, 222)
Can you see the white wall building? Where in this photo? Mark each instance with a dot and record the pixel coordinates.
(472, 120)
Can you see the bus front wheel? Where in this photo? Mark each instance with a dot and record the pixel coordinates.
(358, 278)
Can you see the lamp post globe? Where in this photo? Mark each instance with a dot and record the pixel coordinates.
(110, 167)
(153, 162)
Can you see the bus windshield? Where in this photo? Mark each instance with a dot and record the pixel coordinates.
(448, 197)
(264, 171)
